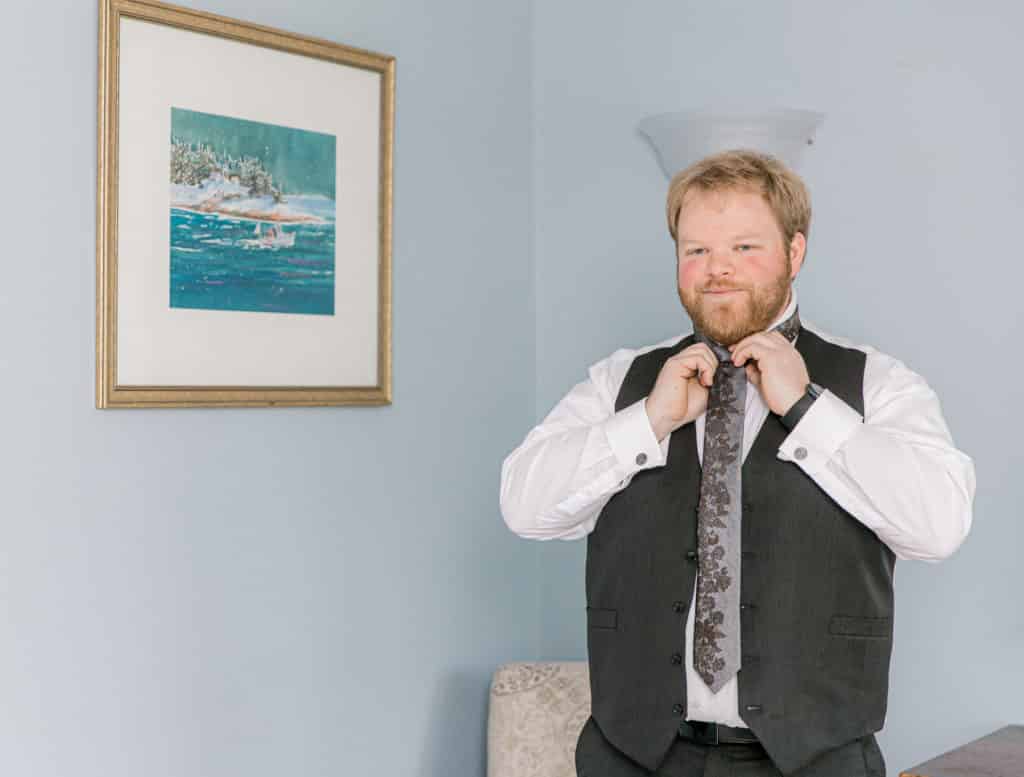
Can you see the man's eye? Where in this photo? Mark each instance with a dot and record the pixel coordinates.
(693, 251)
(745, 245)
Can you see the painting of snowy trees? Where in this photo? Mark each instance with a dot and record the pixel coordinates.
(252, 215)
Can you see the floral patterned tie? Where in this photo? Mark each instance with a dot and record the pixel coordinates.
(716, 643)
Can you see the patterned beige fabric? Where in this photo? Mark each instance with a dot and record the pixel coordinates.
(536, 714)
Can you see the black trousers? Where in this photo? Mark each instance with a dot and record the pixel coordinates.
(596, 757)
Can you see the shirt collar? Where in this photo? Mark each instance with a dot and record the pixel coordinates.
(787, 312)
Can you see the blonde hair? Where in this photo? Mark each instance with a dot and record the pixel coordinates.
(783, 190)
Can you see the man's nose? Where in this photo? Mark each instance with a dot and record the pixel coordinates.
(719, 262)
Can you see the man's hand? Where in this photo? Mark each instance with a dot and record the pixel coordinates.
(774, 366)
(680, 393)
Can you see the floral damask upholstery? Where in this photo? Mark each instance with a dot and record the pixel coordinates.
(537, 711)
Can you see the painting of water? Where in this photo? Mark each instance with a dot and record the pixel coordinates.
(252, 216)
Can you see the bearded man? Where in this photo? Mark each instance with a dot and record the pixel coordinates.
(745, 491)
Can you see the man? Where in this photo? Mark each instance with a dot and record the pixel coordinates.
(745, 491)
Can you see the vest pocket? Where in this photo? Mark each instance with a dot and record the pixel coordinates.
(602, 618)
(860, 626)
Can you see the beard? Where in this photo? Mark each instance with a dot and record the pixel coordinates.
(729, 320)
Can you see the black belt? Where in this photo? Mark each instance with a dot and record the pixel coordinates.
(708, 733)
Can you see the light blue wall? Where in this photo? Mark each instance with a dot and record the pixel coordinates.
(270, 592)
(326, 591)
(915, 179)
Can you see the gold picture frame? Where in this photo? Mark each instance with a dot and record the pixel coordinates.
(175, 352)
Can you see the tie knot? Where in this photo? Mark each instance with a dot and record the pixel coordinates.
(723, 353)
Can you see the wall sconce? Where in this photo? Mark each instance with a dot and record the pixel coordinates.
(679, 139)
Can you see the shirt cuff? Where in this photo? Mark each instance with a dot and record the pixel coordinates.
(632, 439)
(827, 424)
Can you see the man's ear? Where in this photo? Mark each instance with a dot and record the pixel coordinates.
(797, 250)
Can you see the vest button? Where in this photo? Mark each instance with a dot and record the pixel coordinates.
(678, 709)
(753, 708)
(747, 606)
(748, 507)
(679, 606)
(691, 555)
(677, 658)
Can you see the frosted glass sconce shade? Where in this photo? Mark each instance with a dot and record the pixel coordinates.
(682, 138)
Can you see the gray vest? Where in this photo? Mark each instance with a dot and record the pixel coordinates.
(816, 592)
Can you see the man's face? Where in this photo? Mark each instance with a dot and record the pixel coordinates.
(730, 241)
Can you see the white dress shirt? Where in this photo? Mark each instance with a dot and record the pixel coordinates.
(896, 470)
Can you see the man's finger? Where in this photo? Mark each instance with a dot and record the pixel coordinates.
(754, 374)
(705, 368)
(757, 337)
(754, 349)
(705, 348)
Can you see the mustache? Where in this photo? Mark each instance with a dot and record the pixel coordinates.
(723, 288)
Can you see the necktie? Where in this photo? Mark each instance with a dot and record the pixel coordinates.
(716, 642)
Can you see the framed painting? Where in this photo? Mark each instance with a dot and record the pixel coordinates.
(243, 214)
